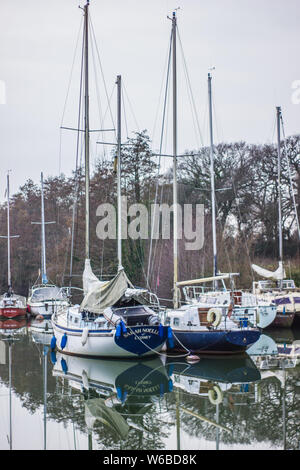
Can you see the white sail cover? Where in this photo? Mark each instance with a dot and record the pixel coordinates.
(276, 275)
(106, 294)
(89, 280)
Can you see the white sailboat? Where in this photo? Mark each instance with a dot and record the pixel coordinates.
(217, 333)
(243, 305)
(276, 287)
(115, 319)
(45, 298)
(11, 304)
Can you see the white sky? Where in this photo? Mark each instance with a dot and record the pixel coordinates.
(253, 44)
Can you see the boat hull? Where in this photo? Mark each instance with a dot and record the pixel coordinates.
(12, 312)
(283, 320)
(214, 341)
(138, 341)
(46, 309)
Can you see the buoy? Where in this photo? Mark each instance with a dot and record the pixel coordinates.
(84, 336)
(215, 395)
(63, 341)
(214, 316)
(53, 343)
(192, 358)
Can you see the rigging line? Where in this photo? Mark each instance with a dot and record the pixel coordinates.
(105, 88)
(124, 110)
(290, 177)
(240, 215)
(68, 91)
(160, 151)
(216, 121)
(169, 194)
(190, 98)
(107, 108)
(130, 106)
(74, 209)
(101, 120)
(189, 84)
(167, 64)
(222, 238)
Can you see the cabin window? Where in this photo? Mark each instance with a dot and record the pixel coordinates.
(176, 321)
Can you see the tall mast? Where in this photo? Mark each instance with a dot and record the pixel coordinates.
(119, 174)
(212, 181)
(278, 112)
(86, 133)
(175, 214)
(8, 238)
(44, 274)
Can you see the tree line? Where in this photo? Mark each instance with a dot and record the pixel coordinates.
(247, 216)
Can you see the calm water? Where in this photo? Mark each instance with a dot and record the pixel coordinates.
(66, 403)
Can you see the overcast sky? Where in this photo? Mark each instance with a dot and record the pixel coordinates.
(253, 45)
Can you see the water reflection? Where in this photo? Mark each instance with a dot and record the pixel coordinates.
(119, 396)
(215, 403)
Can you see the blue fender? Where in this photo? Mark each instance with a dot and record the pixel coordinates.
(53, 343)
(170, 337)
(64, 365)
(53, 357)
(63, 341)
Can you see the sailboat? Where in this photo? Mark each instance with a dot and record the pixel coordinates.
(115, 319)
(45, 298)
(277, 288)
(244, 306)
(11, 304)
(213, 330)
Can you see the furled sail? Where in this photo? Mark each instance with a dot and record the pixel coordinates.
(89, 280)
(106, 294)
(276, 275)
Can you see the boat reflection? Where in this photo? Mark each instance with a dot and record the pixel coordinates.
(41, 331)
(11, 326)
(220, 380)
(116, 393)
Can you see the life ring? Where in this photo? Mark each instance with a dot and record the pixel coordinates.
(214, 316)
(215, 395)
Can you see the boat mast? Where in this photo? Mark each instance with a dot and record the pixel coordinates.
(278, 112)
(212, 181)
(118, 82)
(86, 133)
(8, 238)
(44, 275)
(175, 213)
